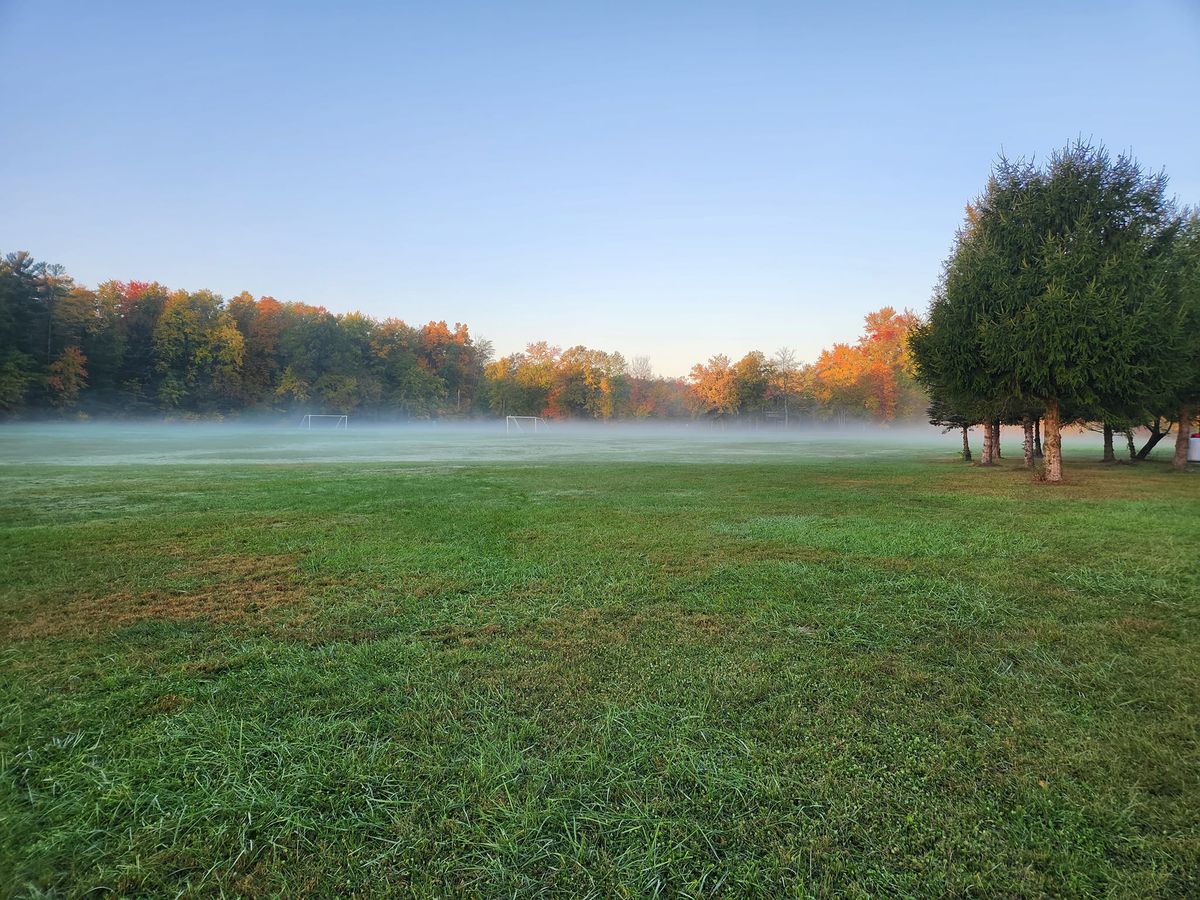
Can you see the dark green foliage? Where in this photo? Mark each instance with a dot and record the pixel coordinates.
(1057, 286)
(948, 416)
(149, 350)
(1058, 293)
(1183, 388)
(946, 413)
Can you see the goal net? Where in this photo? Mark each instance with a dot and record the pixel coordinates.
(320, 421)
(524, 423)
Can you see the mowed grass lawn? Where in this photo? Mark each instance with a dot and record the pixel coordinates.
(819, 676)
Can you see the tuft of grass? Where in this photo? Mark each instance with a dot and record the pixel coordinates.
(777, 676)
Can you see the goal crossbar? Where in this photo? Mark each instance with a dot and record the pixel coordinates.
(524, 423)
(342, 422)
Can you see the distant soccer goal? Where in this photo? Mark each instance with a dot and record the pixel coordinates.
(322, 421)
(522, 424)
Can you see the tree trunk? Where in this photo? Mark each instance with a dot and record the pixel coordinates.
(1186, 416)
(1028, 426)
(1129, 444)
(986, 458)
(966, 446)
(996, 440)
(1109, 455)
(1157, 433)
(1037, 437)
(1053, 445)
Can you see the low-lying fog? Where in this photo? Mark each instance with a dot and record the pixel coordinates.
(264, 441)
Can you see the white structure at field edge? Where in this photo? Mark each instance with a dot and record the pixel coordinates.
(522, 424)
(342, 422)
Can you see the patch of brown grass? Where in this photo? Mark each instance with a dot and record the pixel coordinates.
(583, 656)
(462, 636)
(168, 703)
(1139, 625)
(743, 551)
(576, 631)
(1083, 479)
(221, 589)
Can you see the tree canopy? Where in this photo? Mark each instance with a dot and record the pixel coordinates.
(140, 348)
(1059, 296)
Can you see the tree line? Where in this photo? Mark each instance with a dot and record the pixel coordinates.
(869, 379)
(1071, 295)
(141, 349)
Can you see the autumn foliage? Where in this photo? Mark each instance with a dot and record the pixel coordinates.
(875, 373)
(140, 348)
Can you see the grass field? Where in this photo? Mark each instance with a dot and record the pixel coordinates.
(630, 667)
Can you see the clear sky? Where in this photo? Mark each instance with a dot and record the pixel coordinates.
(664, 179)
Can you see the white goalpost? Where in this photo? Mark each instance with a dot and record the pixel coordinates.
(521, 424)
(326, 421)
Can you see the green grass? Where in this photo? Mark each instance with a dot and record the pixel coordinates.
(819, 676)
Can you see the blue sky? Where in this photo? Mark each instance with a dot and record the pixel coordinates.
(664, 179)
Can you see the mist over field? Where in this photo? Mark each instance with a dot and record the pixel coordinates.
(276, 441)
(628, 450)
(377, 655)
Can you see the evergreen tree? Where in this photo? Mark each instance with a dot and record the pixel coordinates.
(1184, 390)
(948, 415)
(1055, 293)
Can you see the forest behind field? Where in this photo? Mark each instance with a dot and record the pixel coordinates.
(142, 349)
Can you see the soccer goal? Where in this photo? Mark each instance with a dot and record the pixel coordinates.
(322, 421)
(524, 423)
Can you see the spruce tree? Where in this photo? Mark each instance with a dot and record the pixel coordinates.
(1185, 388)
(1056, 294)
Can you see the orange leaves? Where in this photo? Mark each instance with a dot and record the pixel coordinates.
(68, 376)
(713, 385)
(874, 373)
